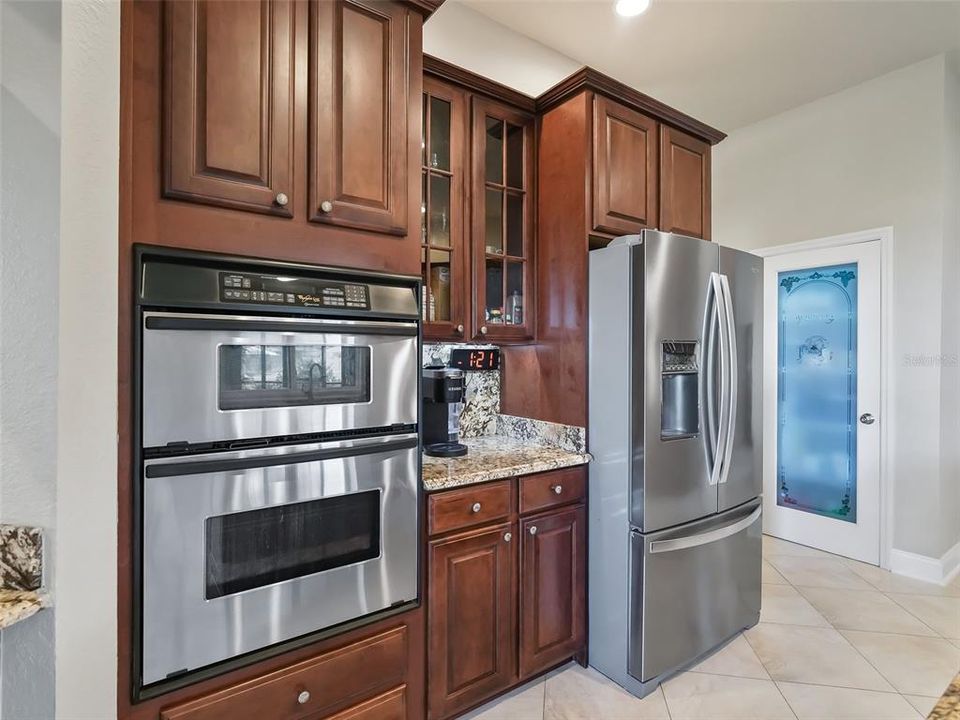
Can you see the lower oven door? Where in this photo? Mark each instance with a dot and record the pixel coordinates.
(243, 550)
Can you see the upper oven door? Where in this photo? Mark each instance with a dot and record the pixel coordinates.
(210, 378)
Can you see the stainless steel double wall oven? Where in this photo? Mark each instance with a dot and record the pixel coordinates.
(277, 494)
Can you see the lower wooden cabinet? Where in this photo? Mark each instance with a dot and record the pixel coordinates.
(553, 575)
(506, 599)
(470, 631)
(364, 680)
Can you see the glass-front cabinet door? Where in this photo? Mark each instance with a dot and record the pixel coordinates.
(503, 207)
(443, 257)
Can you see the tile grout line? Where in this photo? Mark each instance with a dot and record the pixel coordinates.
(913, 614)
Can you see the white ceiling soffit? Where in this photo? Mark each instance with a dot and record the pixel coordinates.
(730, 64)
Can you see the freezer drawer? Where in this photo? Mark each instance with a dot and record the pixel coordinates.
(691, 587)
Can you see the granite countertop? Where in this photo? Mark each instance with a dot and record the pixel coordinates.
(948, 708)
(494, 457)
(17, 605)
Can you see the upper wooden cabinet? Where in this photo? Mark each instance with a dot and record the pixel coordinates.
(444, 257)
(624, 168)
(477, 212)
(502, 203)
(229, 104)
(684, 184)
(358, 115)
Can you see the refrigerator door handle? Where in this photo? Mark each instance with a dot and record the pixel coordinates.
(708, 388)
(733, 372)
(716, 469)
(682, 543)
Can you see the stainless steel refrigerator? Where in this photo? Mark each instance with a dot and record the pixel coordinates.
(674, 429)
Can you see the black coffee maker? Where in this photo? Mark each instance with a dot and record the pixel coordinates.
(443, 392)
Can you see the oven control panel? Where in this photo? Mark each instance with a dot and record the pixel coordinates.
(304, 292)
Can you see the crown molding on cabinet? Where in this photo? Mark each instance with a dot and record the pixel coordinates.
(478, 84)
(587, 78)
(424, 7)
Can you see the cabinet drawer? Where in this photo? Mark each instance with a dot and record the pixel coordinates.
(327, 683)
(550, 489)
(391, 705)
(455, 509)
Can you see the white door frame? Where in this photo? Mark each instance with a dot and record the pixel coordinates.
(884, 236)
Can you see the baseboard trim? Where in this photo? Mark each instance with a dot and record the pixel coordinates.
(921, 567)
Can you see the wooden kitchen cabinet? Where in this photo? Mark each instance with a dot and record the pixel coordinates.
(477, 247)
(502, 204)
(228, 133)
(471, 635)
(625, 145)
(553, 582)
(506, 599)
(358, 115)
(444, 257)
(684, 183)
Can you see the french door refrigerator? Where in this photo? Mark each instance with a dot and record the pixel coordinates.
(674, 430)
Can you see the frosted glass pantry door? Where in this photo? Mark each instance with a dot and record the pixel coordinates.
(822, 401)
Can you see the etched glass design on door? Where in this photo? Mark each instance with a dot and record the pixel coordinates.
(817, 384)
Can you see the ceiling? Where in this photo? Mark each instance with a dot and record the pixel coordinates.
(733, 63)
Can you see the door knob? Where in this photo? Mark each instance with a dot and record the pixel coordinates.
(867, 419)
(483, 330)
(326, 206)
(533, 530)
(282, 199)
(460, 329)
(507, 537)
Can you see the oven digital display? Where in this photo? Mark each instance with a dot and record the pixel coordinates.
(475, 358)
(303, 292)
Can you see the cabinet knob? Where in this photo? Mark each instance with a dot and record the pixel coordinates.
(304, 697)
(475, 508)
(483, 330)
(557, 489)
(326, 206)
(533, 530)
(282, 199)
(460, 329)
(507, 537)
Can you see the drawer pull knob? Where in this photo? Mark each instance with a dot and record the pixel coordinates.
(476, 507)
(460, 329)
(282, 199)
(304, 697)
(557, 489)
(483, 330)
(507, 537)
(326, 206)
(533, 530)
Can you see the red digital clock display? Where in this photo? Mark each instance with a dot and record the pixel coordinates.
(475, 358)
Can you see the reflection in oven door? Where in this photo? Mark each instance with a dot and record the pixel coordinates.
(246, 549)
(209, 379)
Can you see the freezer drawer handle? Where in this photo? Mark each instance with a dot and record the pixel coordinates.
(200, 467)
(660, 546)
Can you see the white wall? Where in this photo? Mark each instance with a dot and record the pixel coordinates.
(86, 619)
(466, 38)
(29, 266)
(870, 156)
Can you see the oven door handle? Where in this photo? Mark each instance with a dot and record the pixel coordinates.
(229, 324)
(206, 467)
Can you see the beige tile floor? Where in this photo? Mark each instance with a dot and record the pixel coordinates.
(837, 640)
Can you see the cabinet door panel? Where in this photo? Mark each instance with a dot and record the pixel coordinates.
(358, 115)
(624, 169)
(228, 104)
(684, 184)
(471, 629)
(552, 588)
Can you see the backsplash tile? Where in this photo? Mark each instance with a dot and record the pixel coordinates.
(21, 557)
(565, 437)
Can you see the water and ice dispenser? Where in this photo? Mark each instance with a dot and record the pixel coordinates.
(679, 378)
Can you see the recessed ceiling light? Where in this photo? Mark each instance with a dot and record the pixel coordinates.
(629, 8)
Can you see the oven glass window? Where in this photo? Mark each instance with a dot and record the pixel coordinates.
(260, 547)
(270, 376)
